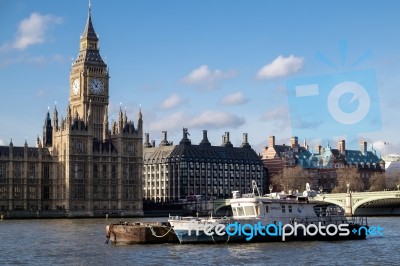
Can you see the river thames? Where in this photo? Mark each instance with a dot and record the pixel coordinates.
(82, 242)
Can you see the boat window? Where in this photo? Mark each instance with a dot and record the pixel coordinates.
(266, 209)
(258, 212)
(249, 210)
(283, 208)
(290, 208)
(240, 211)
(234, 210)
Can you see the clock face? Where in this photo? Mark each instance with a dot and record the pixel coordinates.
(75, 87)
(96, 86)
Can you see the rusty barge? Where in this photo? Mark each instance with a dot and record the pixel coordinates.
(126, 233)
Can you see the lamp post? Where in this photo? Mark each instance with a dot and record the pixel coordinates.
(348, 210)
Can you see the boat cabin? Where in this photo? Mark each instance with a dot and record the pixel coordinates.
(283, 208)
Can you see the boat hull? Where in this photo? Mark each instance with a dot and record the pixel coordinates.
(199, 236)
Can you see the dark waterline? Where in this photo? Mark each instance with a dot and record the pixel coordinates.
(82, 242)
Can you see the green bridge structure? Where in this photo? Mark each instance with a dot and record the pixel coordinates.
(353, 203)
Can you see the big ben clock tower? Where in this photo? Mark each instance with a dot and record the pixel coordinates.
(97, 167)
(89, 77)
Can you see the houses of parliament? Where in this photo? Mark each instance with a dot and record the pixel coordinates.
(82, 166)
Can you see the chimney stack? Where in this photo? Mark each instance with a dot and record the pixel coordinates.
(245, 143)
(164, 142)
(342, 146)
(185, 140)
(318, 149)
(294, 141)
(363, 147)
(226, 141)
(146, 143)
(271, 141)
(205, 141)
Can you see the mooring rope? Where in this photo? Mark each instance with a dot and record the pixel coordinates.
(154, 233)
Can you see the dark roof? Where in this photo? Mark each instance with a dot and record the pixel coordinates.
(4, 151)
(33, 152)
(158, 154)
(202, 152)
(282, 148)
(89, 32)
(355, 156)
(92, 56)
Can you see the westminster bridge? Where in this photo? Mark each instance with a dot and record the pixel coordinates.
(365, 203)
(353, 203)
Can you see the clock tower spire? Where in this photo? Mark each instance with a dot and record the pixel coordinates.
(89, 79)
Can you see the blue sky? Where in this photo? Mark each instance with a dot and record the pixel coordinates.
(215, 65)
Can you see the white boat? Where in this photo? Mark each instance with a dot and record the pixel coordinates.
(272, 217)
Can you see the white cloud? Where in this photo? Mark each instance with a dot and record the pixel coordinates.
(32, 31)
(216, 119)
(2, 142)
(383, 146)
(234, 99)
(206, 120)
(380, 145)
(281, 67)
(171, 102)
(204, 78)
(170, 122)
(202, 74)
(280, 113)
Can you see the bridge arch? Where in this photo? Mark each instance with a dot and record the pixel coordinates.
(337, 202)
(389, 202)
(221, 206)
(363, 203)
(366, 200)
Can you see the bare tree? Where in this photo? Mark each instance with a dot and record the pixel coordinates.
(348, 176)
(377, 182)
(293, 178)
(392, 179)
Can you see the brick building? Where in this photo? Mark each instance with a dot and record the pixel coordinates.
(322, 162)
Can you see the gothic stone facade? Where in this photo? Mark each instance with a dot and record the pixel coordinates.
(173, 172)
(81, 167)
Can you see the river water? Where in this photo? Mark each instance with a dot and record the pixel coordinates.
(82, 242)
